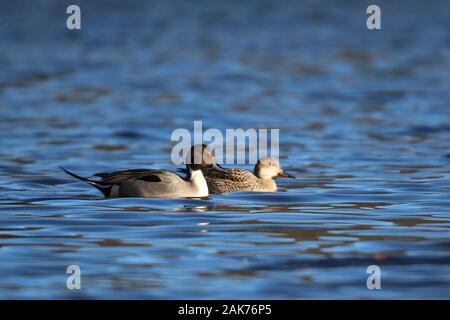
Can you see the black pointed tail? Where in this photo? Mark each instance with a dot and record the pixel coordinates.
(104, 188)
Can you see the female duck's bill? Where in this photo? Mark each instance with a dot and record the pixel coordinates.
(150, 183)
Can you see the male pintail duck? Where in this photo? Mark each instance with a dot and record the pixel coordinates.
(148, 183)
(233, 179)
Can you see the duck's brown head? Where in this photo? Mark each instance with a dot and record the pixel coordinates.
(201, 157)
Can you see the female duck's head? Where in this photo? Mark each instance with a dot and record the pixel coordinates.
(268, 168)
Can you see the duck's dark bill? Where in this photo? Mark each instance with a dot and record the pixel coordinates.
(286, 175)
(217, 167)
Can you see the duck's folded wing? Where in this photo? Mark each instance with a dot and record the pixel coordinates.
(218, 186)
(234, 174)
(119, 177)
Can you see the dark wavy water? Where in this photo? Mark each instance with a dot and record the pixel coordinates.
(364, 124)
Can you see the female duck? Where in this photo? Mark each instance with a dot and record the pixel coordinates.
(261, 179)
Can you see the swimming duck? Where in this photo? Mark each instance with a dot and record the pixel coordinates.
(232, 179)
(150, 183)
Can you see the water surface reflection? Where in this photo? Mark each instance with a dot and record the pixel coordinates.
(363, 121)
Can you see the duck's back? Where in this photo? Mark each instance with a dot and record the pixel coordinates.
(234, 180)
(233, 174)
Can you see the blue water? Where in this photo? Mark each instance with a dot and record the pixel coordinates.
(364, 125)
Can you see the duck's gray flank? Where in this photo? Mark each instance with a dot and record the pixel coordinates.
(149, 183)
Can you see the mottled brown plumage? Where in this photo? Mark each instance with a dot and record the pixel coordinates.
(261, 180)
